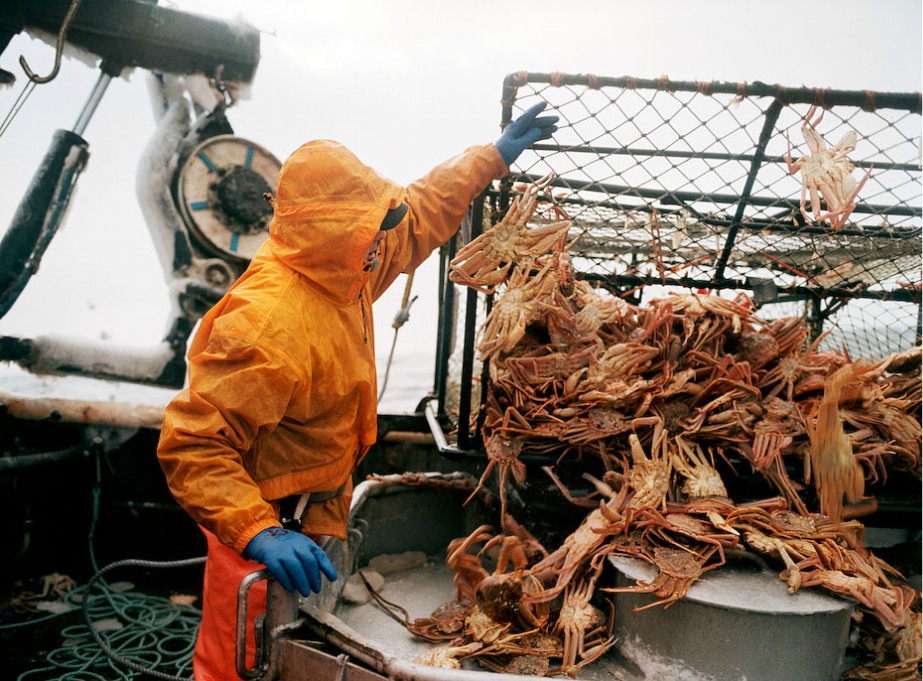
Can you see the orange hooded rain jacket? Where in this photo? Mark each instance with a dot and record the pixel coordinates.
(282, 395)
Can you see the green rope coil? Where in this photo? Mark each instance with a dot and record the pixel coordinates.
(154, 637)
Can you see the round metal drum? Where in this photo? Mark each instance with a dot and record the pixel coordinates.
(221, 188)
(735, 624)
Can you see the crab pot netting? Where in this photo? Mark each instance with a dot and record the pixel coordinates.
(677, 186)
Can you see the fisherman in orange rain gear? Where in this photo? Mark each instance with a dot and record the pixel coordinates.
(281, 400)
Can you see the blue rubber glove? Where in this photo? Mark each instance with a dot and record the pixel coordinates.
(292, 558)
(525, 131)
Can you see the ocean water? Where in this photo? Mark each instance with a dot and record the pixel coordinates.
(410, 379)
(411, 375)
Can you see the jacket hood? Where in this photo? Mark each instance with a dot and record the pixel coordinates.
(327, 209)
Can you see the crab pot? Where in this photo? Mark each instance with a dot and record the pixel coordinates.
(686, 187)
(733, 624)
(696, 188)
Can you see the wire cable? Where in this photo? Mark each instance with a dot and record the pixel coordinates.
(17, 105)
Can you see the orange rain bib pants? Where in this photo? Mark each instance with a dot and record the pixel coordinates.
(215, 648)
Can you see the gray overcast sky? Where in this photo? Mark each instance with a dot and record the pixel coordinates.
(405, 84)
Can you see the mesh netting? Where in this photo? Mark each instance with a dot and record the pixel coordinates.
(677, 187)
(688, 185)
(575, 358)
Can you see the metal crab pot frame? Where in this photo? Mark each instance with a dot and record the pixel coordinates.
(687, 186)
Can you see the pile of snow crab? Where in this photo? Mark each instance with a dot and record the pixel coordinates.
(664, 410)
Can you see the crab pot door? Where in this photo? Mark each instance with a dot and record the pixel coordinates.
(697, 187)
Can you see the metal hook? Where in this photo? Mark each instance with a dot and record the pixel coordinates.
(59, 48)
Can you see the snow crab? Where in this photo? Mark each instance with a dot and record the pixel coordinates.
(705, 316)
(687, 533)
(677, 570)
(826, 173)
(583, 544)
(618, 363)
(890, 603)
(482, 263)
(502, 596)
(701, 479)
(520, 305)
(503, 454)
(448, 656)
(535, 373)
(54, 586)
(601, 423)
(595, 311)
(585, 634)
(838, 474)
(649, 476)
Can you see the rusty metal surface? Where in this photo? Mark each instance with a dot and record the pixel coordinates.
(300, 660)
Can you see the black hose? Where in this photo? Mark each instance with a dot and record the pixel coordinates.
(18, 463)
(39, 214)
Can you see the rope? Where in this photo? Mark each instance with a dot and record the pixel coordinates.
(399, 319)
(148, 634)
(125, 634)
(158, 630)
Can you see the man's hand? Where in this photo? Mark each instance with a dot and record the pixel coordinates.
(525, 131)
(292, 558)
